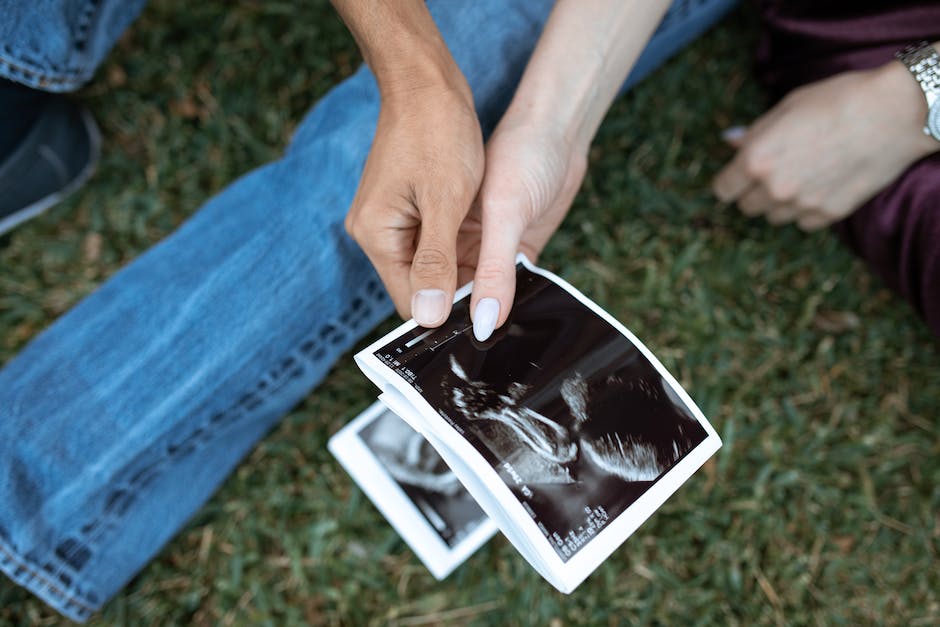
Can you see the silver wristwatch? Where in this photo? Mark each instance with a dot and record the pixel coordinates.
(924, 63)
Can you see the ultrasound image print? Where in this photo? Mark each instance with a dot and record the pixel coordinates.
(423, 476)
(575, 419)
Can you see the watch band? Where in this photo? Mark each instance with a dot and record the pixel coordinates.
(924, 64)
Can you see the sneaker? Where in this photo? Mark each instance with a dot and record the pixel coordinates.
(54, 158)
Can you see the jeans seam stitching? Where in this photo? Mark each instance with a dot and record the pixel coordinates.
(85, 20)
(70, 75)
(36, 573)
(92, 533)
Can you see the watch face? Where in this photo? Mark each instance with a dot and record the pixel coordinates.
(933, 120)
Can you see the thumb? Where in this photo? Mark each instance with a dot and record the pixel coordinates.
(434, 272)
(734, 135)
(494, 283)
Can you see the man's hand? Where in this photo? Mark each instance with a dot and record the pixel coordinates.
(827, 148)
(426, 162)
(419, 181)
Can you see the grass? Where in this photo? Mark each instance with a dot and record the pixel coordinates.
(822, 507)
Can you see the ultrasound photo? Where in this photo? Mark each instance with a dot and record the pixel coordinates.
(423, 476)
(576, 421)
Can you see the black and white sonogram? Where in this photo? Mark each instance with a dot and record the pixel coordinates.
(569, 412)
(423, 476)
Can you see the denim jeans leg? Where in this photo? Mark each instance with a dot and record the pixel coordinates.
(122, 418)
(56, 45)
(685, 21)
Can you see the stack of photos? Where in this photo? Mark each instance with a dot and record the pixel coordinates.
(566, 429)
(413, 488)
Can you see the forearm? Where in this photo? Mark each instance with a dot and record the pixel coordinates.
(582, 58)
(402, 46)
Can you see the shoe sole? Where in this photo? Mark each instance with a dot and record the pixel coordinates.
(41, 205)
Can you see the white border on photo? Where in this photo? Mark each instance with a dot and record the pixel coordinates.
(383, 490)
(496, 498)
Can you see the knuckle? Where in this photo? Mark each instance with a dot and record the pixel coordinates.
(367, 210)
(350, 225)
(807, 202)
(431, 261)
(833, 209)
(779, 190)
(820, 205)
(755, 163)
(363, 223)
(362, 235)
(491, 274)
(721, 190)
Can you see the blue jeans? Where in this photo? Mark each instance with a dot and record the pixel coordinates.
(121, 419)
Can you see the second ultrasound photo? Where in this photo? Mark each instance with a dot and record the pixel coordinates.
(424, 477)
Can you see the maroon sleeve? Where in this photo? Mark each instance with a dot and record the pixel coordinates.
(898, 234)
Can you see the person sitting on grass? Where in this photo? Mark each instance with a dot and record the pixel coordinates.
(120, 420)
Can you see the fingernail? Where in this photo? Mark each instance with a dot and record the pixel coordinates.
(427, 307)
(484, 318)
(733, 133)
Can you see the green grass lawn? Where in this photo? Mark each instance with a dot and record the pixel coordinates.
(823, 507)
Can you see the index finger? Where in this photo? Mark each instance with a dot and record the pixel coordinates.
(395, 275)
(389, 249)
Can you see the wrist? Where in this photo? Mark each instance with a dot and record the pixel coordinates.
(543, 136)
(403, 47)
(419, 68)
(896, 85)
(566, 126)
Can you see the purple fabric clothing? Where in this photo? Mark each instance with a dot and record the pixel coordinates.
(898, 231)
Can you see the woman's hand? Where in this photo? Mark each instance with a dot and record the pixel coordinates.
(532, 176)
(827, 148)
(536, 158)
